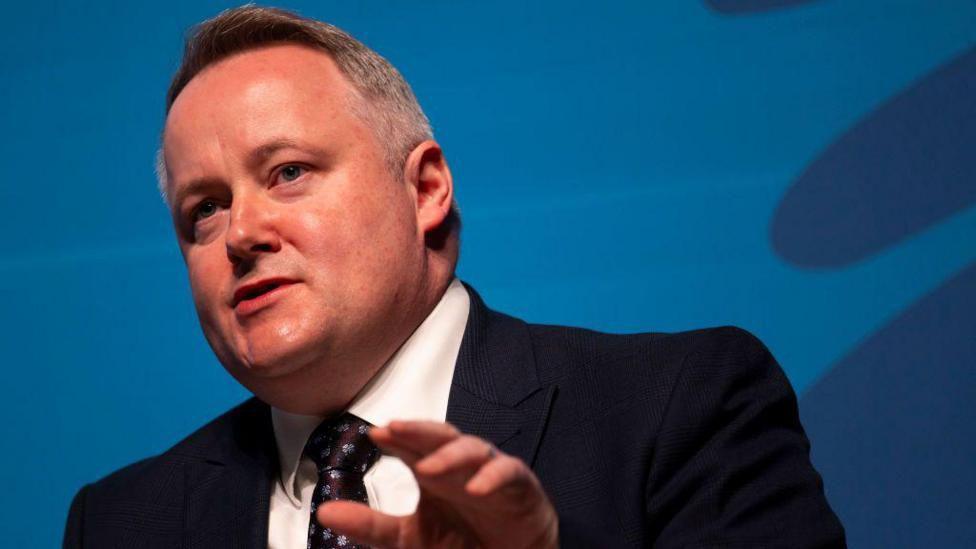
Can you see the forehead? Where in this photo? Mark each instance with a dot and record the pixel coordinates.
(280, 91)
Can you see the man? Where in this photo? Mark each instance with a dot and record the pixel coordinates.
(315, 215)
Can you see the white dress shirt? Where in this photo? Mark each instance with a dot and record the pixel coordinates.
(414, 384)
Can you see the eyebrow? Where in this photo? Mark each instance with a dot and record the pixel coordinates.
(262, 152)
(256, 157)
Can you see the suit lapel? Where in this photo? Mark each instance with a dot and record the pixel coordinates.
(496, 393)
(228, 486)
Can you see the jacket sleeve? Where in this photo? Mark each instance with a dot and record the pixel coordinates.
(73, 529)
(731, 465)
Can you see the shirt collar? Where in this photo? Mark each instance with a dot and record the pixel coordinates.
(414, 384)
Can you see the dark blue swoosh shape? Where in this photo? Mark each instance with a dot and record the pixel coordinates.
(892, 426)
(906, 166)
(738, 7)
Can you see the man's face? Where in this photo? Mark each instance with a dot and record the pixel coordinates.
(302, 249)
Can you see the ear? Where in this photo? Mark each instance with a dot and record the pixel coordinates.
(427, 173)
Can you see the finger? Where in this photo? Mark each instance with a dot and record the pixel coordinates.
(389, 445)
(504, 473)
(421, 437)
(464, 454)
(357, 521)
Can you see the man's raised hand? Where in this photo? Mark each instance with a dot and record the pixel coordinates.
(471, 495)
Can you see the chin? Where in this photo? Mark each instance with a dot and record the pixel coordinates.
(272, 363)
(283, 380)
(268, 349)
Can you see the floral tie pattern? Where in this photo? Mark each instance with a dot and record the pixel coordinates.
(342, 454)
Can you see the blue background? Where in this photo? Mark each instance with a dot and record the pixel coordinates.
(803, 169)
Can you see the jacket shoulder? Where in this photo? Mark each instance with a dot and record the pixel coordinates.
(146, 500)
(214, 439)
(635, 375)
(658, 353)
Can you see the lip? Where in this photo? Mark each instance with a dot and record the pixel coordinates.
(244, 305)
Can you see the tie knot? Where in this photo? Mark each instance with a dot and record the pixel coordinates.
(341, 444)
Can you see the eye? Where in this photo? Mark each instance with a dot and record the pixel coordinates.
(291, 172)
(204, 210)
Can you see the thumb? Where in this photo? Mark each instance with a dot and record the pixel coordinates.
(357, 521)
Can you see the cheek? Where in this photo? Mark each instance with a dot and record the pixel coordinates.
(310, 223)
(318, 236)
(205, 284)
(333, 236)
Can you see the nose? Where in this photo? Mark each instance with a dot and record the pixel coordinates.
(251, 229)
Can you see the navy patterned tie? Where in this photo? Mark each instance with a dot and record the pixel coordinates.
(342, 454)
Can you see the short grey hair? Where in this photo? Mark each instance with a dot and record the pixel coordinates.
(384, 100)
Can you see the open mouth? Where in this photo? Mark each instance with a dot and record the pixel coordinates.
(258, 289)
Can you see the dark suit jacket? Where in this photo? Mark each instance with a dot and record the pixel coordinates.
(664, 440)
